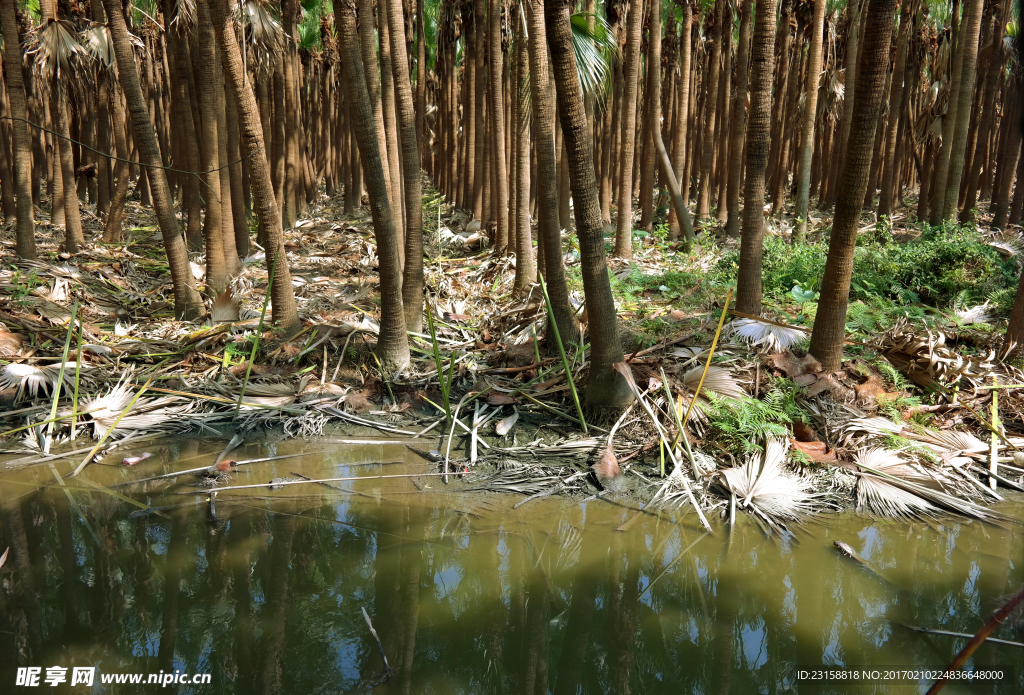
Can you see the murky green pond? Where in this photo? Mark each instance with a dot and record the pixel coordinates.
(265, 591)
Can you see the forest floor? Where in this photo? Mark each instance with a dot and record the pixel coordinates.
(927, 311)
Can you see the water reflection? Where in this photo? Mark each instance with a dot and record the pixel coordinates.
(264, 590)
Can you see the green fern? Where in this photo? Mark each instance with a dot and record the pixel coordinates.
(742, 425)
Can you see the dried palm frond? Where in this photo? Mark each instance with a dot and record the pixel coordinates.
(146, 413)
(975, 314)
(929, 363)
(31, 378)
(224, 307)
(893, 487)
(762, 485)
(719, 381)
(57, 47)
(871, 426)
(775, 338)
(947, 440)
(99, 46)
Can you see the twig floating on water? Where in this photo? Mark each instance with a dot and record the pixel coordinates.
(383, 656)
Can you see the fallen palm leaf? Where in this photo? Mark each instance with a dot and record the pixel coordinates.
(29, 378)
(770, 335)
(762, 485)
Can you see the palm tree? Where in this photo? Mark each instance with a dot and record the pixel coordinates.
(526, 269)
(26, 228)
(497, 115)
(889, 163)
(392, 343)
(283, 296)
(830, 322)
(630, 86)
(606, 387)
(412, 279)
(710, 104)
(967, 50)
(762, 53)
(548, 231)
(803, 190)
(682, 109)
(739, 120)
(187, 303)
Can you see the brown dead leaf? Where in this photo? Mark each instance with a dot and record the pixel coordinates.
(10, 343)
(805, 379)
(792, 366)
(815, 451)
(803, 432)
(495, 398)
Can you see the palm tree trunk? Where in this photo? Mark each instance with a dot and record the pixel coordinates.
(526, 269)
(606, 387)
(497, 114)
(630, 87)
(762, 51)
(853, 13)
(889, 163)
(682, 109)
(412, 279)
(830, 322)
(967, 48)
(73, 235)
(187, 303)
(739, 120)
(217, 271)
(392, 343)
(803, 191)
(25, 234)
(548, 232)
(394, 146)
(710, 105)
(112, 227)
(282, 295)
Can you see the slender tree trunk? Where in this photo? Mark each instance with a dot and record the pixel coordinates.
(803, 192)
(630, 87)
(394, 145)
(187, 303)
(967, 47)
(73, 237)
(526, 269)
(542, 100)
(710, 104)
(762, 53)
(217, 271)
(683, 109)
(25, 234)
(392, 343)
(112, 227)
(606, 387)
(830, 322)
(497, 114)
(889, 163)
(412, 280)
(853, 13)
(739, 120)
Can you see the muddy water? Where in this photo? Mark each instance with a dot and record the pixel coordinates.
(265, 590)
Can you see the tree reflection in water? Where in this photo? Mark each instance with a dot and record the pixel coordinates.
(471, 596)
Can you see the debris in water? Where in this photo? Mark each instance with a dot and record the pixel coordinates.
(132, 460)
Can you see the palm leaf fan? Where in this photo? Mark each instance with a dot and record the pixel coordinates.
(763, 486)
(888, 486)
(31, 378)
(146, 413)
(775, 338)
(56, 48)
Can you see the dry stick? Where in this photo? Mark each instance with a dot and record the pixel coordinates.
(711, 353)
(383, 656)
(968, 635)
(205, 468)
(987, 629)
(78, 371)
(235, 441)
(281, 483)
(88, 457)
(995, 440)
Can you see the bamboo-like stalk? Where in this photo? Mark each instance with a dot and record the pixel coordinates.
(553, 324)
(78, 373)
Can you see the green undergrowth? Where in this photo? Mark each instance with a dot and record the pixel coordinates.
(742, 425)
(926, 277)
